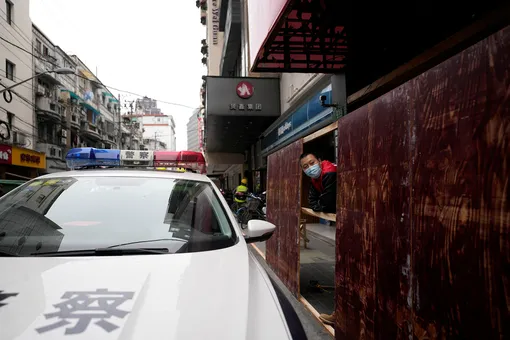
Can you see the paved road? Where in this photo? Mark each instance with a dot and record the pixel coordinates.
(314, 329)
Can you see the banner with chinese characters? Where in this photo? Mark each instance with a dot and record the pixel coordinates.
(5, 154)
(28, 158)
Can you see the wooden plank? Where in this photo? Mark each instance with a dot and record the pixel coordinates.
(316, 315)
(321, 132)
(415, 66)
(324, 216)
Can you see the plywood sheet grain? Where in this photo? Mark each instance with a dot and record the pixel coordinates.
(283, 209)
(461, 195)
(423, 219)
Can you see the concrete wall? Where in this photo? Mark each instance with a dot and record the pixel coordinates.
(19, 33)
(192, 132)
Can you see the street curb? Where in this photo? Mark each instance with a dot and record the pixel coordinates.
(321, 238)
(313, 329)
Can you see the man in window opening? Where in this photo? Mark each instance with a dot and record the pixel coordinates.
(322, 194)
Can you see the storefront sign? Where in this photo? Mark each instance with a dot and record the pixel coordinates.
(244, 96)
(215, 21)
(28, 158)
(5, 154)
(306, 117)
(284, 128)
(246, 107)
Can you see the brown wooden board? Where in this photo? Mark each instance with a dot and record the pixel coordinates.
(461, 195)
(284, 209)
(373, 230)
(423, 219)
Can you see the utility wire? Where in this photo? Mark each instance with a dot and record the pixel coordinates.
(83, 77)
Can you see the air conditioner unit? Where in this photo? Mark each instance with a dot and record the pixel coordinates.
(40, 90)
(18, 138)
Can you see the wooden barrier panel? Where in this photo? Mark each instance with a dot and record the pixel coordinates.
(423, 215)
(283, 209)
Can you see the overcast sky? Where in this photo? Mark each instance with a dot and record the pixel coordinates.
(149, 47)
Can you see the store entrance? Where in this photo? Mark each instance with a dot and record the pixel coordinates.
(317, 232)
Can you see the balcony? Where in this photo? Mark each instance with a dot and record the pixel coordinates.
(52, 151)
(91, 131)
(75, 121)
(42, 65)
(111, 137)
(47, 107)
(46, 64)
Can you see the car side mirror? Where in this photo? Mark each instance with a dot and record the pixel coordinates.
(258, 231)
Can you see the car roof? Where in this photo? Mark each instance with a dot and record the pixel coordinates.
(129, 173)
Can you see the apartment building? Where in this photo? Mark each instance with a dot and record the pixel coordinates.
(50, 109)
(192, 131)
(15, 66)
(100, 126)
(158, 128)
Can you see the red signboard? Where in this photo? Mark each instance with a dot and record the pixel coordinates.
(302, 36)
(5, 154)
(262, 16)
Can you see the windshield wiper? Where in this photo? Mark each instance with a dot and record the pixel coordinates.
(147, 241)
(105, 252)
(6, 254)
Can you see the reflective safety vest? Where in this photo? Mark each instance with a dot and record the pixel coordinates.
(242, 189)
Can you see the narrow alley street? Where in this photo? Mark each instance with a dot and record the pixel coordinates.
(317, 267)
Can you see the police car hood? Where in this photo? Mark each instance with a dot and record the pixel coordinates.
(221, 294)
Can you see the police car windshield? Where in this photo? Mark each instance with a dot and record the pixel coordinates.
(76, 213)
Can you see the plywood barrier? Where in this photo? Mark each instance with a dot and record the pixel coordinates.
(423, 214)
(283, 209)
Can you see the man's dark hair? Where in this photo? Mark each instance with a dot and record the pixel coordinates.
(304, 154)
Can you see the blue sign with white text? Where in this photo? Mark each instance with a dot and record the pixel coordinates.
(306, 116)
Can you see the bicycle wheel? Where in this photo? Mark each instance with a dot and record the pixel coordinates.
(244, 217)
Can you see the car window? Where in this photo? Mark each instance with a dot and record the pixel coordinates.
(76, 213)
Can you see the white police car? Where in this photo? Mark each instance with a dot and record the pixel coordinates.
(133, 254)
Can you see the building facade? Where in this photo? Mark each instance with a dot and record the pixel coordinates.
(18, 131)
(100, 126)
(50, 114)
(192, 132)
(158, 128)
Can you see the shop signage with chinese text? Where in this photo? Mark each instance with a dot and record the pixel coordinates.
(28, 158)
(242, 96)
(5, 154)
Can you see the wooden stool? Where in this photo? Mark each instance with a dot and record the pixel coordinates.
(302, 233)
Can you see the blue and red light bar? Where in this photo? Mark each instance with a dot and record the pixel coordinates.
(79, 158)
